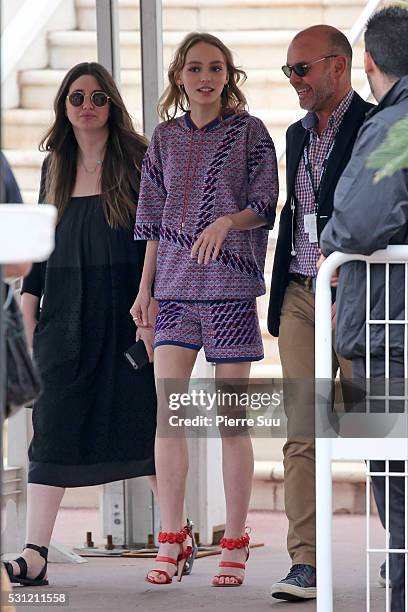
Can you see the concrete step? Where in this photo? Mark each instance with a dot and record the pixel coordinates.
(251, 48)
(202, 15)
(265, 89)
(23, 128)
(30, 196)
(26, 166)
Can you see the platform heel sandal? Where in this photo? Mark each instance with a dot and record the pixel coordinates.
(231, 544)
(178, 537)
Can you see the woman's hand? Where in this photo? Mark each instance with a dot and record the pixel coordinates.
(147, 335)
(140, 308)
(208, 244)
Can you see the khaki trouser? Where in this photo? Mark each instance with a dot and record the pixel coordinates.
(296, 348)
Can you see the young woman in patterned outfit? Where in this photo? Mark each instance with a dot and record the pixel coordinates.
(208, 196)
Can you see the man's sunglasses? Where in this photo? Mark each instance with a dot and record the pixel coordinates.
(98, 98)
(300, 69)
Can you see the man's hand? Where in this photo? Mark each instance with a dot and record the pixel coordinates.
(209, 242)
(334, 282)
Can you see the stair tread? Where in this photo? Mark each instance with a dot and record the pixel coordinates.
(131, 75)
(227, 3)
(246, 37)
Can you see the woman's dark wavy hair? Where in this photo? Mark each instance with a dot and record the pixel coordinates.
(125, 148)
(175, 99)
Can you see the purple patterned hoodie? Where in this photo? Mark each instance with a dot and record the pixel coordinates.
(192, 176)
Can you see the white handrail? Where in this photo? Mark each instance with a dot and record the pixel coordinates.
(326, 447)
(358, 27)
(21, 32)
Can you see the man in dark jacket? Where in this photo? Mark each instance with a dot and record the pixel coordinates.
(318, 148)
(368, 217)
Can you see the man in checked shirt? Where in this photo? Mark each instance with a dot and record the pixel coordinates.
(318, 148)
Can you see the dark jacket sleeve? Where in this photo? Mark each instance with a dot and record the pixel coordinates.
(10, 193)
(366, 216)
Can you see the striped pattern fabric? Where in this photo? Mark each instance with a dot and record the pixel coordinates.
(191, 177)
(234, 323)
(228, 330)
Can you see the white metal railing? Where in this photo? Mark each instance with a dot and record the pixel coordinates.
(328, 449)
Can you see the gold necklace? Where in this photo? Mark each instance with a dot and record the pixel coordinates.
(92, 170)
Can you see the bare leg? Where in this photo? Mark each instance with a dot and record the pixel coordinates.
(170, 362)
(43, 503)
(153, 485)
(238, 469)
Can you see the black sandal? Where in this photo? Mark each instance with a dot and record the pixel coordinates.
(21, 562)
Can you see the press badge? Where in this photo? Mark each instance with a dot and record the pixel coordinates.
(310, 226)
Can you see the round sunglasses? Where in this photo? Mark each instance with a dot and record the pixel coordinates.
(98, 98)
(300, 69)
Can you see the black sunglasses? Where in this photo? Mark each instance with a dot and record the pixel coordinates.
(98, 98)
(301, 69)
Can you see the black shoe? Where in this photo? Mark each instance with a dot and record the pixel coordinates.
(22, 578)
(382, 578)
(299, 584)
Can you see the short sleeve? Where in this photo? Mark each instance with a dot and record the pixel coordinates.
(34, 282)
(263, 183)
(152, 196)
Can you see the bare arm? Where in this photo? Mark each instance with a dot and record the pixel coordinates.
(16, 270)
(144, 307)
(29, 306)
(246, 220)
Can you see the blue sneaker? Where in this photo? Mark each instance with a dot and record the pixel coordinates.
(299, 584)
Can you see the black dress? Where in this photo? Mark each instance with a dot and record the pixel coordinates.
(96, 420)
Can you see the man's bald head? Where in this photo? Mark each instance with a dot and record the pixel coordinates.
(329, 39)
(324, 56)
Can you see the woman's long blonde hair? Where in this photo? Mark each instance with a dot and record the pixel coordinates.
(125, 148)
(175, 99)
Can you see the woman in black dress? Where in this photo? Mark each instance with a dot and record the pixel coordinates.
(95, 422)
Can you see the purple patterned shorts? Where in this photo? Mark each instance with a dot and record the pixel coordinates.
(228, 330)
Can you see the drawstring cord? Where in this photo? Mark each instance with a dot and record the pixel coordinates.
(189, 180)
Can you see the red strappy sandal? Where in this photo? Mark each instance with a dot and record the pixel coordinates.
(231, 544)
(178, 537)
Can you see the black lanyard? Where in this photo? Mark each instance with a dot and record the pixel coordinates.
(308, 169)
